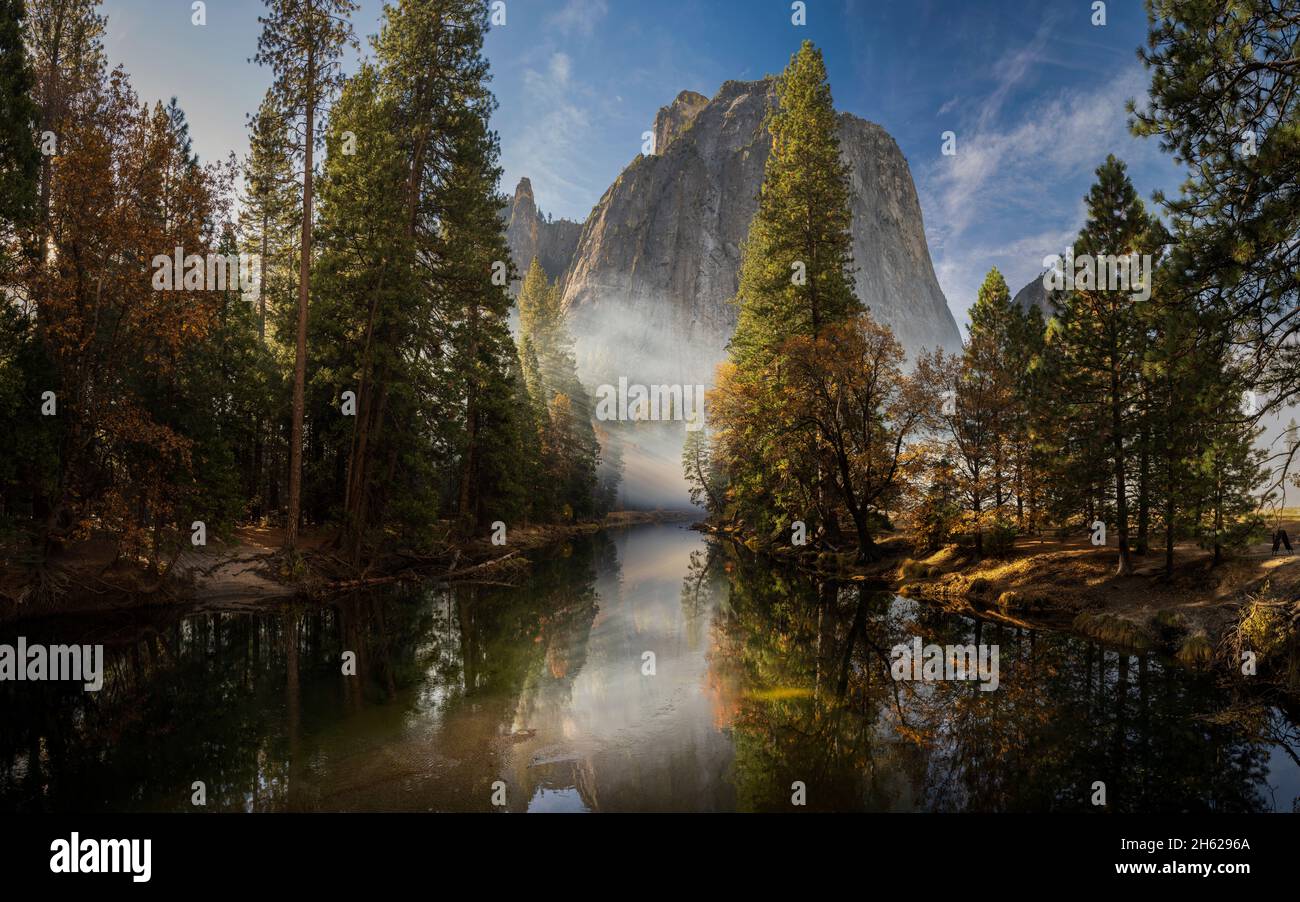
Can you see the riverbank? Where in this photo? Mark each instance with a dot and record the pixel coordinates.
(1205, 614)
(761, 676)
(252, 569)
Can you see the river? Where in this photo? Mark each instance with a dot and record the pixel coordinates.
(645, 669)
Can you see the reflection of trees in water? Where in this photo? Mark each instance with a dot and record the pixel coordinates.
(700, 590)
(255, 705)
(808, 668)
(217, 697)
(245, 702)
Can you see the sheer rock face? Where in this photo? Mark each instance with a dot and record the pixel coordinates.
(672, 120)
(649, 287)
(648, 284)
(530, 235)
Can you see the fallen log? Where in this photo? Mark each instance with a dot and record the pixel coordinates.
(457, 574)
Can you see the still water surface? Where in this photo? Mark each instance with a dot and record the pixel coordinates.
(760, 679)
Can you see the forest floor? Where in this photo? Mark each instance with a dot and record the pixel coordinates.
(1200, 613)
(1070, 581)
(251, 569)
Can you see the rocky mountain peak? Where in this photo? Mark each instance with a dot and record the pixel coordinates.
(675, 118)
(647, 280)
(1034, 295)
(524, 191)
(530, 234)
(648, 290)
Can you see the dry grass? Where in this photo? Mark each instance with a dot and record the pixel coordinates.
(1114, 630)
(1200, 613)
(1071, 576)
(1196, 650)
(1268, 624)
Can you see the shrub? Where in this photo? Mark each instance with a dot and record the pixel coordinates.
(1000, 539)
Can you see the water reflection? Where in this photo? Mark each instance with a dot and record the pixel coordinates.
(759, 679)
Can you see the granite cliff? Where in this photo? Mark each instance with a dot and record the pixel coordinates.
(647, 283)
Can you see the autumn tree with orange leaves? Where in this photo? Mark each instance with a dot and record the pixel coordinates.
(123, 190)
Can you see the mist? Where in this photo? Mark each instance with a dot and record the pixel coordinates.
(648, 342)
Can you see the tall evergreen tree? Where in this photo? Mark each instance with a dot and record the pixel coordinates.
(19, 156)
(64, 41)
(795, 282)
(1099, 336)
(473, 248)
(1225, 100)
(303, 42)
(19, 177)
(1029, 464)
(796, 270)
(270, 193)
(569, 437)
(367, 293)
(988, 374)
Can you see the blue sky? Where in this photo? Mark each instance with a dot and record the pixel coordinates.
(1034, 92)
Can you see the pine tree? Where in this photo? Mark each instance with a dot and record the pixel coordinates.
(972, 417)
(1225, 100)
(19, 156)
(1099, 337)
(303, 41)
(1027, 433)
(697, 467)
(19, 353)
(572, 447)
(795, 282)
(1229, 468)
(270, 193)
(989, 377)
(796, 270)
(537, 424)
(64, 40)
(473, 248)
(368, 295)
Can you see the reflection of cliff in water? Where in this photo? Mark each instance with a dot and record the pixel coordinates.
(760, 679)
(613, 737)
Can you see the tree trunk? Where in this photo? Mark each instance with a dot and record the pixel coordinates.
(1121, 488)
(1218, 526)
(1144, 501)
(1169, 515)
(300, 359)
(467, 503)
(261, 288)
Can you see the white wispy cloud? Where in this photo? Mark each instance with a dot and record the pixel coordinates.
(579, 16)
(1012, 193)
(1014, 66)
(557, 136)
